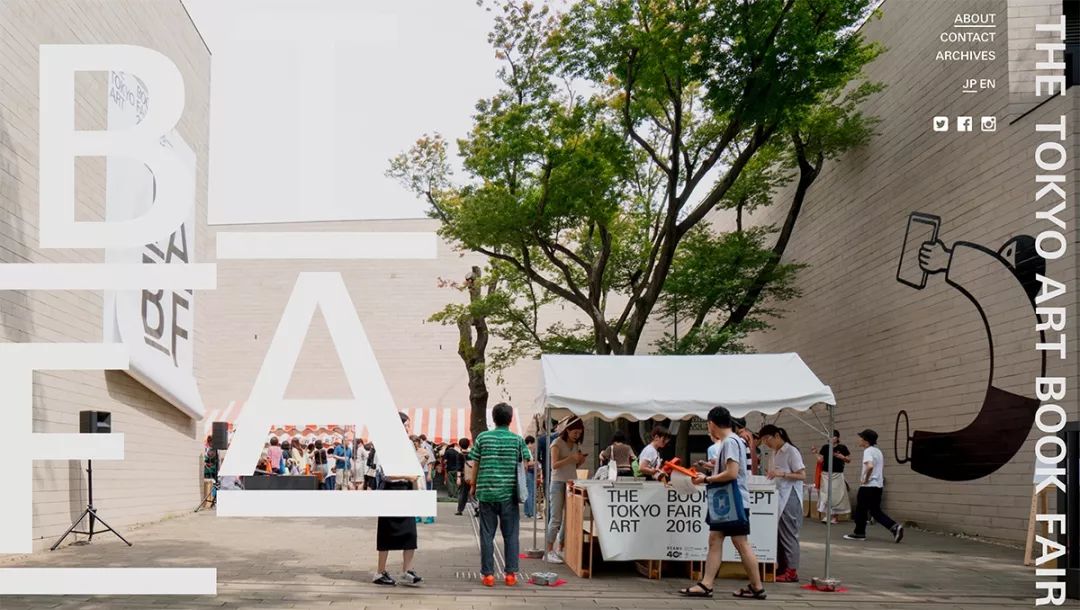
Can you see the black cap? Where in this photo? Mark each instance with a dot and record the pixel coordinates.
(740, 422)
(869, 436)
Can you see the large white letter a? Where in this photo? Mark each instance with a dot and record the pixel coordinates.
(372, 405)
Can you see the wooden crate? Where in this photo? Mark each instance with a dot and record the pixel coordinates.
(579, 539)
(656, 569)
(649, 568)
(734, 569)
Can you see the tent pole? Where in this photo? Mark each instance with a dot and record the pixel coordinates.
(536, 552)
(828, 497)
(547, 471)
(536, 495)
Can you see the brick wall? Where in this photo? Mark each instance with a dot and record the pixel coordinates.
(161, 473)
(1023, 15)
(394, 299)
(884, 346)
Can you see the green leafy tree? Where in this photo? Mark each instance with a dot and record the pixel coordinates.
(620, 126)
(503, 304)
(729, 284)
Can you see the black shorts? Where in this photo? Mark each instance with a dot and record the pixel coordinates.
(734, 528)
(395, 534)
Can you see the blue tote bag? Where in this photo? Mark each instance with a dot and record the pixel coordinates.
(725, 504)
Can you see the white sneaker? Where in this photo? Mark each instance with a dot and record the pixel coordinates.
(410, 578)
(553, 557)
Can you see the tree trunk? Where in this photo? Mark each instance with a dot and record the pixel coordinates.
(682, 442)
(807, 174)
(478, 399)
(472, 350)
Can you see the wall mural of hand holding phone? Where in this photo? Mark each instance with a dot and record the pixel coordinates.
(1001, 284)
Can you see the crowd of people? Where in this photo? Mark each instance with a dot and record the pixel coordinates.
(341, 463)
(500, 473)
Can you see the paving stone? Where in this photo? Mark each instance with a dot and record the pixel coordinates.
(316, 563)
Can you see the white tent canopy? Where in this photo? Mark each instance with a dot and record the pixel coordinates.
(678, 387)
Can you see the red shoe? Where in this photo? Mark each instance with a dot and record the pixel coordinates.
(788, 576)
(488, 581)
(511, 580)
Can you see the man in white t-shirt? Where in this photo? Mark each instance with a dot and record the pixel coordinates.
(871, 482)
(650, 461)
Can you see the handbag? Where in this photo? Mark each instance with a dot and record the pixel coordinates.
(522, 484)
(725, 504)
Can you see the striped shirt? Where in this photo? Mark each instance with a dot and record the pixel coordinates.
(497, 453)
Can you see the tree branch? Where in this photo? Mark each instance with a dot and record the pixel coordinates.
(761, 135)
(808, 173)
(628, 119)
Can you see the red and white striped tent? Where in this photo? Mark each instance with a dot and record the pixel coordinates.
(446, 424)
(439, 424)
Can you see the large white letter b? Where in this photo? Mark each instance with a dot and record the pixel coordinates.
(61, 143)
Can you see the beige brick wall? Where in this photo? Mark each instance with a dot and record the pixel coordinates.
(393, 298)
(881, 345)
(1023, 15)
(161, 473)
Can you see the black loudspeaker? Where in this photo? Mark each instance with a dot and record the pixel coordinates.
(291, 483)
(220, 440)
(95, 422)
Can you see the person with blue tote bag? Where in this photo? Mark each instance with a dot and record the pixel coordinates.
(728, 513)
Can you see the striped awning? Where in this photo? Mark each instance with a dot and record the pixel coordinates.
(447, 424)
(439, 424)
(228, 413)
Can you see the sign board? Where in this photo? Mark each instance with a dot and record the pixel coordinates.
(652, 521)
(157, 326)
(764, 517)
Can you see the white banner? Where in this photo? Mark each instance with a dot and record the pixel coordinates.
(157, 326)
(764, 518)
(652, 521)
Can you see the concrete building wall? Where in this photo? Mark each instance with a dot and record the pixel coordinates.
(162, 472)
(393, 298)
(886, 347)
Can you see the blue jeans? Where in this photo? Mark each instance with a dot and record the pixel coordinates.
(505, 516)
(530, 503)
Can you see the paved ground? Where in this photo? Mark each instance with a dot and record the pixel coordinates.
(313, 563)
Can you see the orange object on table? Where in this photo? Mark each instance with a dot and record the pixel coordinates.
(673, 465)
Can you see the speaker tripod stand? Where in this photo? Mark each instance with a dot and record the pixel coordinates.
(211, 498)
(89, 513)
(210, 501)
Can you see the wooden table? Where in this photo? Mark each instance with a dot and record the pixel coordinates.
(581, 544)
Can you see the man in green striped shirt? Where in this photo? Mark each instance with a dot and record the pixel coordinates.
(497, 454)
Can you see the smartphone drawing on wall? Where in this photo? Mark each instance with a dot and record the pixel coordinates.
(921, 228)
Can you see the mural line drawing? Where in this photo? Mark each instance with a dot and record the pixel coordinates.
(1001, 284)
